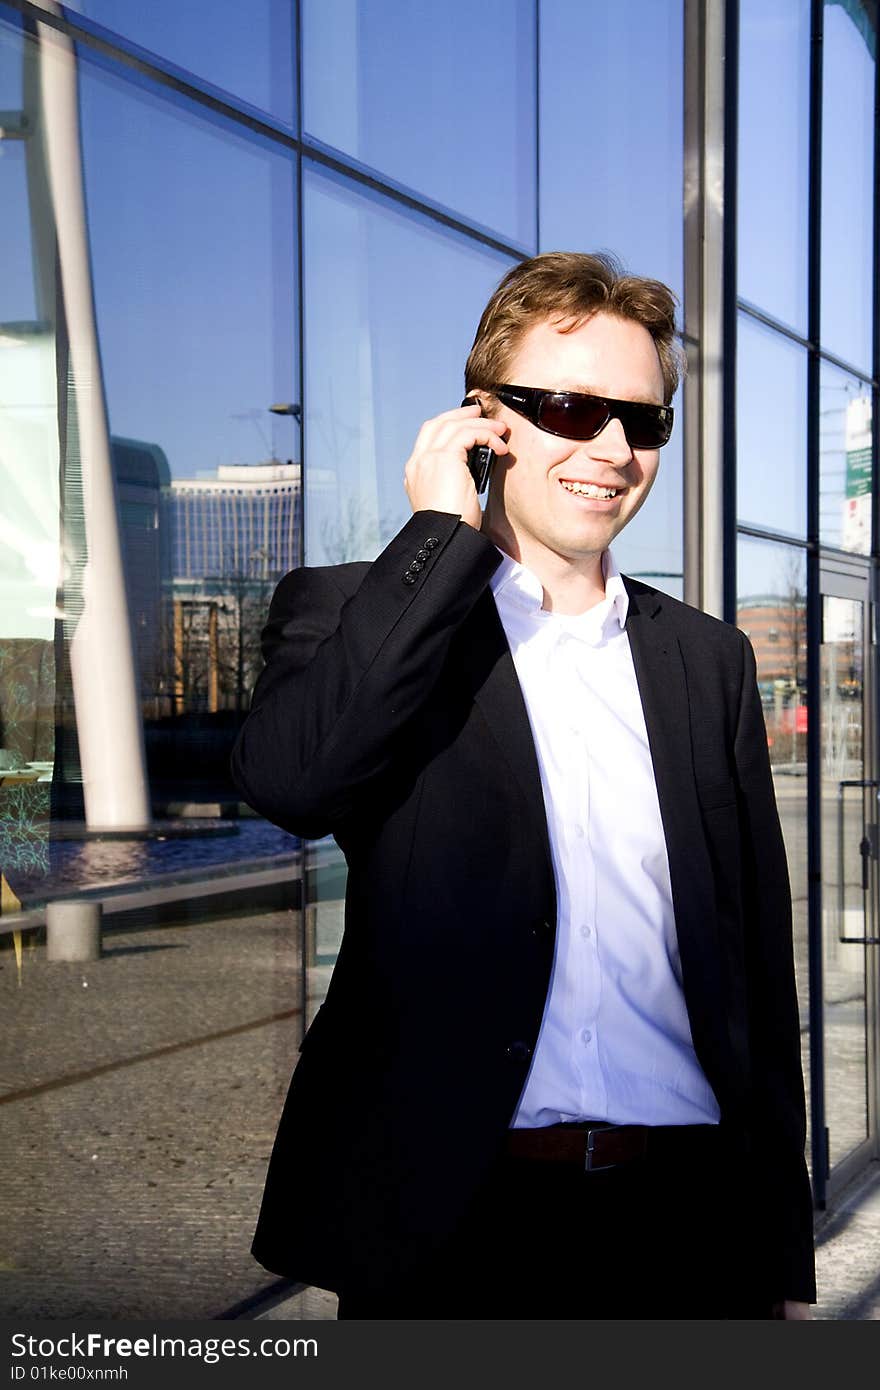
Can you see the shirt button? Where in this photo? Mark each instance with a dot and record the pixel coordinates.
(586, 1036)
(586, 932)
(579, 831)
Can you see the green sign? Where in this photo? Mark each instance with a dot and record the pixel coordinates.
(858, 472)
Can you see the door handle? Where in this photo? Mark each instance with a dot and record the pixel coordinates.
(867, 851)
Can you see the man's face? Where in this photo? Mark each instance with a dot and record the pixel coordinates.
(606, 356)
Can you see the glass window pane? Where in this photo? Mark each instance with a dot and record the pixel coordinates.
(846, 917)
(773, 166)
(438, 98)
(246, 50)
(191, 232)
(771, 430)
(612, 132)
(772, 611)
(845, 461)
(191, 229)
(848, 182)
(392, 303)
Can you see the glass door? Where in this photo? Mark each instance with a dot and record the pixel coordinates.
(849, 873)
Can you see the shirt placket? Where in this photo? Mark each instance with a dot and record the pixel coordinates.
(583, 991)
(594, 1098)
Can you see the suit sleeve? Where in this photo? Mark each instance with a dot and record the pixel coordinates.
(345, 672)
(779, 1131)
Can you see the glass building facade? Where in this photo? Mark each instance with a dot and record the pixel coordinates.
(246, 251)
(804, 459)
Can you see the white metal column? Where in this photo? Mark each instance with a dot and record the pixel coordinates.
(703, 304)
(108, 720)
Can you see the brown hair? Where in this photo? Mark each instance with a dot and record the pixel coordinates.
(570, 285)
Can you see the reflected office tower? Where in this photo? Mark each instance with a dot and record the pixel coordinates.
(142, 477)
(243, 521)
(232, 537)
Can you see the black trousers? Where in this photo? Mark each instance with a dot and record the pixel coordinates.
(664, 1238)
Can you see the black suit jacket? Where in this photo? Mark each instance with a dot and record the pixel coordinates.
(389, 714)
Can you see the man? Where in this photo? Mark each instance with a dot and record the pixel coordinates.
(557, 1072)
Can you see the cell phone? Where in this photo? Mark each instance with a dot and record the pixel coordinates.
(480, 458)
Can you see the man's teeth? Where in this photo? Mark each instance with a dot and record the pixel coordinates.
(588, 489)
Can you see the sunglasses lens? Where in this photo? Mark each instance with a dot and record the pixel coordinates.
(575, 416)
(645, 426)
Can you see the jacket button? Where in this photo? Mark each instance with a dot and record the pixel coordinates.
(410, 578)
(422, 554)
(431, 543)
(416, 566)
(519, 1052)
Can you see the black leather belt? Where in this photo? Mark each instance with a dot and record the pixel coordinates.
(596, 1145)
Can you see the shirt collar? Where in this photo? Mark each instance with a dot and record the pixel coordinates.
(512, 581)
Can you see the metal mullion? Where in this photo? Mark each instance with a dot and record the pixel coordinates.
(875, 407)
(350, 169)
(728, 308)
(752, 311)
(764, 533)
(693, 326)
(872, 650)
(814, 616)
(307, 851)
(866, 376)
(537, 126)
(706, 301)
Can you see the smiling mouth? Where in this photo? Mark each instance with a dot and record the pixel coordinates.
(589, 489)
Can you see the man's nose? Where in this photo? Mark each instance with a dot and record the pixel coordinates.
(611, 444)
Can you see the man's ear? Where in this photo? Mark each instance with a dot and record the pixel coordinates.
(488, 403)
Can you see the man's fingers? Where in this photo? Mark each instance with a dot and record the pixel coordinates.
(436, 477)
(458, 434)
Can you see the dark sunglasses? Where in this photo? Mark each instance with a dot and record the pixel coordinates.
(575, 415)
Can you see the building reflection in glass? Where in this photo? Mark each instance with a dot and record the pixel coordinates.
(771, 610)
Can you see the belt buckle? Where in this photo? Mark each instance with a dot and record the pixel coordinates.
(589, 1165)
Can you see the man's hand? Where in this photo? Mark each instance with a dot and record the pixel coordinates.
(436, 476)
(790, 1311)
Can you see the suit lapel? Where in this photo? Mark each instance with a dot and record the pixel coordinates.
(483, 649)
(661, 674)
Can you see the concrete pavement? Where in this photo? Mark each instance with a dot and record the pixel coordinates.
(139, 1096)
